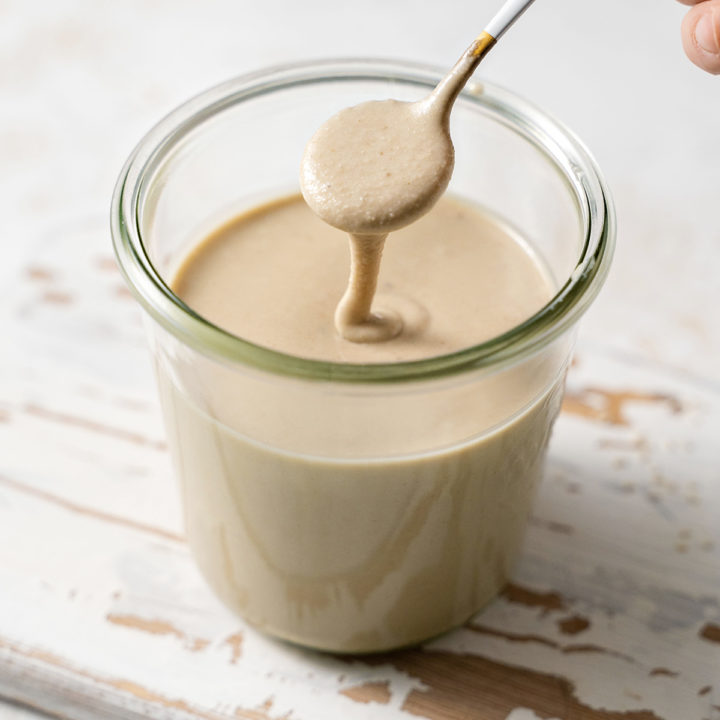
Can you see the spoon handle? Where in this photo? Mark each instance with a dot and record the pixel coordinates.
(450, 86)
(506, 16)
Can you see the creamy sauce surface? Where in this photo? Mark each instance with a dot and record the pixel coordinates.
(273, 276)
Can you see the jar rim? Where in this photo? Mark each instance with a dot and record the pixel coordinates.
(560, 146)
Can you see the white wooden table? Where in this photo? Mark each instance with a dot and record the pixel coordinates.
(614, 610)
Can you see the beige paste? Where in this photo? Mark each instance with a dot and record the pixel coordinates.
(347, 517)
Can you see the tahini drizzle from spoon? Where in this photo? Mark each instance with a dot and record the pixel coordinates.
(376, 167)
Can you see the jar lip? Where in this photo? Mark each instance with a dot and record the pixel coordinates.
(559, 144)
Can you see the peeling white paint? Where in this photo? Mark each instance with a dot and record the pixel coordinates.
(96, 585)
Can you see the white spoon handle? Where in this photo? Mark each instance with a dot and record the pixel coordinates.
(506, 16)
(450, 86)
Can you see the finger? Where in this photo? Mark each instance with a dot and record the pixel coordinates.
(701, 35)
(690, 2)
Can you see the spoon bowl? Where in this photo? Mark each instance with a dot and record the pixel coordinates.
(402, 160)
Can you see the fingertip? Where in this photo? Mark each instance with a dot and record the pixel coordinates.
(701, 36)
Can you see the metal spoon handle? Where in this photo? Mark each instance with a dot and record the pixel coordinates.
(506, 16)
(443, 97)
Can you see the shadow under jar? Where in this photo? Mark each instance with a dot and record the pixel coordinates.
(356, 508)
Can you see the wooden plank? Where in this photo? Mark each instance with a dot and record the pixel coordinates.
(611, 612)
(610, 616)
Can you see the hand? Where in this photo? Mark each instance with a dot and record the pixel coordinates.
(701, 34)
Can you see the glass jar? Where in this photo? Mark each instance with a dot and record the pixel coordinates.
(356, 508)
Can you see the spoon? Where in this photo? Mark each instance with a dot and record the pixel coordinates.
(376, 167)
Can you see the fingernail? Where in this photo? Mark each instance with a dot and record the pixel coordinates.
(706, 34)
